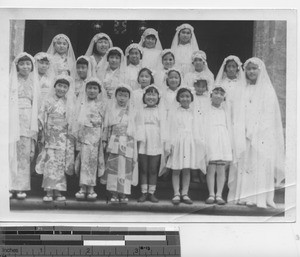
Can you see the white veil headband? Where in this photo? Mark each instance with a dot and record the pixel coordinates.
(267, 132)
(180, 74)
(148, 32)
(133, 46)
(222, 74)
(94, 40)
(194, 43)
(70, 53)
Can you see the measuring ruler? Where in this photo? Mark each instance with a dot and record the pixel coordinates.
(53, 241)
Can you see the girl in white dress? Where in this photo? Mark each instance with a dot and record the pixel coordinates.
(151, 49)
(259, 147)
(185, 144)
(97, 49)
(202, 100)
(199, 67)
(63, 55)
(145, 78)
(219, 150)
(184, 44)
(152, 138)
(167, 62)
(113, 70)
(44, 66)
(133, 55)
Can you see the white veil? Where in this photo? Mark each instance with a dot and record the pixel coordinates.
(175, 42)
(222, 74)
(147, 32)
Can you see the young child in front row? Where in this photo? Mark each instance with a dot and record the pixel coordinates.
(89, 130)
(119, 141)
(152, 138)
(57, 156)
(219, 150)
(186, 144)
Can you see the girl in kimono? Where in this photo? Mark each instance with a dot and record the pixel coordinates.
(63, 56)
(23, 122)
(152, 138)
(45, 69)
(97, 49)
(151, 49)
(259, 144)
(168, 62)
(55, 121)
(219, 151)
(145, 78)
(113, 70)
(83, 73)
(121, 147)
(199, 67)
(185, 144)
(184, 44)
(88, 131)
(133, 54)
(173, 82)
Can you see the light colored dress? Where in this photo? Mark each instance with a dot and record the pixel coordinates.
(182, 140)
(111, 80)
(152, 144)
(60, 64)
(151, 58)
(20, 180)
(191, 76)
(91, 157)
(57, 156)
(131, 76)
(202, 103)
(217, 135)
(79, 85)
(183, 56)
(45, 85)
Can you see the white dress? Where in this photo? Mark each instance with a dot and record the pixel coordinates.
(183, 144)
(153, 145)
(151, 58)
(45, 85)
(217, 135)
(202, 103)
(183, 58)
(169, 99)
(159, 80)
(131, 76)
(191, 76)
(138, 98)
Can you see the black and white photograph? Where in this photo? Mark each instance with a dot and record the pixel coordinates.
(132, 116)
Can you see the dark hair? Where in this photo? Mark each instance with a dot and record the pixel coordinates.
(62, 81)
(82, 61)
(182, 90)
(198, 81)
(168, 53)
(23, 59)
(218, 89)
(93, 83)
(113, 52)
(168, 76)
(151, 89)
(95, 51)
(123, 90)
(149, 72)
(45, 59)
(230, 60)
(138, 50)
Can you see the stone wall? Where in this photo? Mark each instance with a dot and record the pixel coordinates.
(17, 31)
(269, 44)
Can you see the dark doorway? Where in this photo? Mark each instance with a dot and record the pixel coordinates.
(217, 38)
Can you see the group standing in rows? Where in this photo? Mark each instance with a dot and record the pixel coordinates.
(127, 119)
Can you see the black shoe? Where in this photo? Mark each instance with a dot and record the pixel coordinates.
(143, 198)
(153, 199)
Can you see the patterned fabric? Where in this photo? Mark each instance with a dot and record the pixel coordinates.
(57, 157)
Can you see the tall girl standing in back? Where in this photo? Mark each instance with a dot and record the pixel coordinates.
(186, 144)
(184, 44)
(97, 49)
(151, 48)
(63, 55)
(23, 122)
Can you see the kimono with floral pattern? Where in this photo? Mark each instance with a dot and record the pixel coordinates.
(57, 156)
(90, 160)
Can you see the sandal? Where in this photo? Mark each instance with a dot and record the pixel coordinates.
(114, 199)
(186, 199)
(60, 198)
(220, 200)
(92, 196)
(250, 204)
(21, 195)
(47, 198)
(123, 199)
(176, 199)
(210, 199)
(80, 195)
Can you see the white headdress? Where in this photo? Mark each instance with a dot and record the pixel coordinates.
(132, 46)
(70, 52)
(42, 55)
(89, 71)
(222, 74)
(193, 42)
(149, 32)
(94, 40)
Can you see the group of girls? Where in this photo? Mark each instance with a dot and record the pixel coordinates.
(126, 120)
